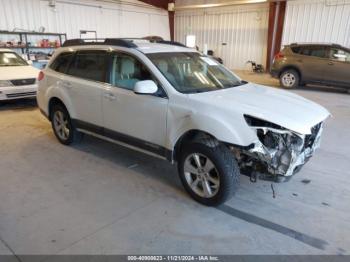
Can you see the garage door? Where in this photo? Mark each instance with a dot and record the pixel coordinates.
(236, 33)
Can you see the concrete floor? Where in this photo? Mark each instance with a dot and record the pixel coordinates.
(100, 198)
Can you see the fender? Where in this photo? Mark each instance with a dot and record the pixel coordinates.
(294, 67)
(180, 121)
(59, 92)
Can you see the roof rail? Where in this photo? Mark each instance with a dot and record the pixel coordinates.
(123, 42)
(169, 43)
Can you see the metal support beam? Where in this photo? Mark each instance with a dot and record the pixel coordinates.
(164, 5)
(171, 15)
(275, 30)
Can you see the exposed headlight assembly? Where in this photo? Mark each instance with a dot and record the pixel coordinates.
(5, 83)
(279, 146)
(256, 122)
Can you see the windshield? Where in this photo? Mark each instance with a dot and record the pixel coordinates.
(11, 59)
(193, 72)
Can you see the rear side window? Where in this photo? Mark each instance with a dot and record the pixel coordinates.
(320, 52)
(89, 65)
(296, 49)
(62, 62)
(315, 51)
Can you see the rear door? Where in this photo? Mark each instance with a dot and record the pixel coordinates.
(84, 83)
(313, 61)
(338, 69)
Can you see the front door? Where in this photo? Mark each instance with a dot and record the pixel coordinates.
(138, 120)
(338, 69)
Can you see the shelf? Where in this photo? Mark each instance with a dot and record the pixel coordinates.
(25, 37)
(12, 47)
(29, 47)
(38, 47)
(29, 33)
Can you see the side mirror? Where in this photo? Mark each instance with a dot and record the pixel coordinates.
(146, 87)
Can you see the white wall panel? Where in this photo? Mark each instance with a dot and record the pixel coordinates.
(243, 28)
(70, 16)
(317, 21)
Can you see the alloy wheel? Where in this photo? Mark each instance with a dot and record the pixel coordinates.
(201, 175)
(288, 80)
(61, 126)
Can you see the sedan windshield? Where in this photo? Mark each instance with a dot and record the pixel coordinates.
(11, 59)
(193, 72)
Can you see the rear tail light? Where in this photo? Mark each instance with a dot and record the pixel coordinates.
(279, 56)
(41, 76)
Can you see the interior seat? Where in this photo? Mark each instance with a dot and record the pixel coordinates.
(163, 67)
(126, 78)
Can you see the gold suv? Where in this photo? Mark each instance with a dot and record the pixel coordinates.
(301, 64)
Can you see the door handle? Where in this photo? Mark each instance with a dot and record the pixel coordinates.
(67, 84)
(109, 96)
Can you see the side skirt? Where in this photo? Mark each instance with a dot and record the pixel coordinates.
(123, 140)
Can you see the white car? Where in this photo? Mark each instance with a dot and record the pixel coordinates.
(17, 77)
(177, 104)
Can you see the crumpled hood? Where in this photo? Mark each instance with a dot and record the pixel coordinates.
(18, 72)
(280, 107)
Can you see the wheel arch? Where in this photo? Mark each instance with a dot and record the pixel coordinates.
(54, 101)
(192, 135)
(291, 67)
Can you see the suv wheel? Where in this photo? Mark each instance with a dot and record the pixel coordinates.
(290, 79)
(209, 174)
(62, 125)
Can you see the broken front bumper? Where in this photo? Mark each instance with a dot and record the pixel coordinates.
(283, 152)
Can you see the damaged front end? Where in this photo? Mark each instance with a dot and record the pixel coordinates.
(279, 153)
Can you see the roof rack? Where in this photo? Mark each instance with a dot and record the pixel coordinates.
(123, 42)
(317, 44)
(96, 41)
(170, 43)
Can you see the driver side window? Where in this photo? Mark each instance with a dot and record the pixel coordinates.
(126, 71)
(340, 55)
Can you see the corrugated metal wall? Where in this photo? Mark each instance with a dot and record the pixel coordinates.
(243, 28)
(70, 16)
(317, 21)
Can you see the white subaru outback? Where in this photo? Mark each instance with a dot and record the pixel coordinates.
(177, 104)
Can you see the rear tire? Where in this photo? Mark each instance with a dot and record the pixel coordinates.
(63, 127)
(208, 172)
(290, 79)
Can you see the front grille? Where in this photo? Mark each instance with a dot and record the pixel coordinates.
(23, 82)
(310, 139)
(21, 94)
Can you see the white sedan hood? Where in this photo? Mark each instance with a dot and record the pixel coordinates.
(18, 72)
(270, 104)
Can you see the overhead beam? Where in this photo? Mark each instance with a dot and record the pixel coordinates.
(158, 3)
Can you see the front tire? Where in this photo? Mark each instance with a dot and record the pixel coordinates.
(290, 79)
(62, 126)
(208, 172)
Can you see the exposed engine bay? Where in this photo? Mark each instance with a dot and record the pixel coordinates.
(279, 152)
